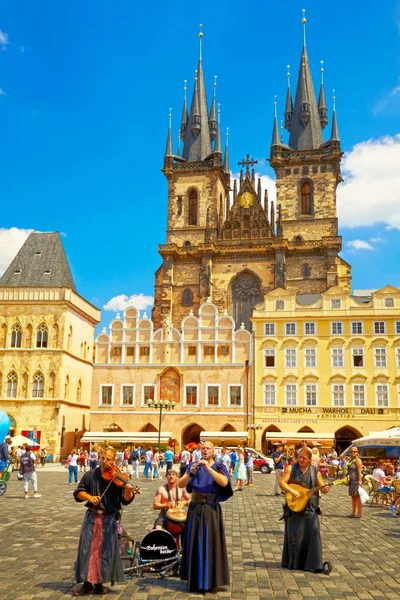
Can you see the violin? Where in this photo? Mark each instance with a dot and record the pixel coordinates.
(114, 475)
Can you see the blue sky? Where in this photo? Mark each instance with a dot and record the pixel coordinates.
(85, 93)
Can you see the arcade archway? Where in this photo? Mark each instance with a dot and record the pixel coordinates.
(344, 436)
(191, 434)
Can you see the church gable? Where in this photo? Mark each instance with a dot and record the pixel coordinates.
(246, 218)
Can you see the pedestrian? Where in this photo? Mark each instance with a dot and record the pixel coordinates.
(248, 462)
(155, 463)
(72, 463)
(169, 459)
(43, 455)
(82, 460)
(147, 464)
(27, 469)
(204, 556)
(302, 548)
(93, 458)
(277, 457)
(5, 454)
(99, 559)
(135, 460)
(240, 470)
(184, 460)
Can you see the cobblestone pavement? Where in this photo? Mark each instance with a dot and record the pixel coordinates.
(39, 541)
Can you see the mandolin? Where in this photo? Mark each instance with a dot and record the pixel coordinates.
(298, 504)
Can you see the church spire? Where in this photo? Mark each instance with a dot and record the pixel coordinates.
(305, 129)
(226, 157)
(197, 144)
(212, 121)
(275, 133)
(335, 131)
(168, 149)
(289, 103)
(322, 110)
(184, 113)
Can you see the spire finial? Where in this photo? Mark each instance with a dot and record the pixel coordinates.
(288, 76)
(304, 21)
(215, 85)
(334, 99)
(201, 40)
(322, 71)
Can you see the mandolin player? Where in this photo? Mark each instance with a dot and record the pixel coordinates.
(302, 548)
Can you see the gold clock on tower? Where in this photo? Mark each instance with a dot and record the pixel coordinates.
(246, 199)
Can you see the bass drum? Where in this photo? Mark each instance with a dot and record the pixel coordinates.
(158, 545)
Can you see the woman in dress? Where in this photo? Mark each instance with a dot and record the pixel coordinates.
(240, 470)
(354, 471)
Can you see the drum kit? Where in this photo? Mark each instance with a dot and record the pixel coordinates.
(160, 549)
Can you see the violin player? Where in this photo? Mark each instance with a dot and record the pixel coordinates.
(105, 491)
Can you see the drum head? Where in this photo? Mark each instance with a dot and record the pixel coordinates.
(157, 544)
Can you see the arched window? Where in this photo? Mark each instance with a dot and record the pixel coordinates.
(192, 208)
(306, 271)
(12, 385)
(42, 336)
(38, 385)
(187, 298)
(16, 336)
(305, 204)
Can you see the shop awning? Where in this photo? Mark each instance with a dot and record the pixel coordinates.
(289, 435)
(223, 435)
(139, 437)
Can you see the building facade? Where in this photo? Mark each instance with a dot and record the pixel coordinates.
(327, 366)
(46, 346)
(203, 368)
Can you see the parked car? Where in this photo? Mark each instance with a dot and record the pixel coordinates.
(262, 463)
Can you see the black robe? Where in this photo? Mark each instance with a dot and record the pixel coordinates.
(99, 559)
(302, 547)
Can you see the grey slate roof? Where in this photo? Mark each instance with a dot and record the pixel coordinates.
(310, 136)
(197, 147)
(41, 262)
(305, 299)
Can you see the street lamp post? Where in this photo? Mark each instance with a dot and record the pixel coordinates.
(160, 404)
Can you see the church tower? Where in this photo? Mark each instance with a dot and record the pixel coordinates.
(217, 247)
(307, 175)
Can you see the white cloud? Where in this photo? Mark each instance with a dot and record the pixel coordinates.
(370, 193)
(122, 302)
(359, 245)
(4, 41)
(11, 241)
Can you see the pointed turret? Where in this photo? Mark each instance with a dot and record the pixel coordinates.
(305, 130)
(184, 113)
(322, 110)
(335, 131)
(276, 141)
(197, 143)
(226, 157)
(289, 104)
(168, 148)
(212, 121)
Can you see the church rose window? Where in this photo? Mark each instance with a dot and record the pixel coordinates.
(192, 208)
(306, 199)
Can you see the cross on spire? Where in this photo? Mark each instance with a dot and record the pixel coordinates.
(246, 163)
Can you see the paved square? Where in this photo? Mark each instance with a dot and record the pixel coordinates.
(39, 541)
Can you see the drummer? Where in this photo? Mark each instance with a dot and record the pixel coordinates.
(169, 496)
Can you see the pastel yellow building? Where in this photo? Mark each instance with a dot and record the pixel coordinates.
(327, 366)
(46, 346)
(203, 368)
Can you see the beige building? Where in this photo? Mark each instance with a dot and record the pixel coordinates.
(327, 366)
(46, 346)
(203, 367)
